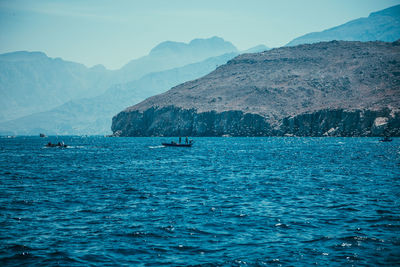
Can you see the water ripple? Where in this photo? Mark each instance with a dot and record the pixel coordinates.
(225, 201)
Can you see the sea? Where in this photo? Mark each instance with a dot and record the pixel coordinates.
(270, 201)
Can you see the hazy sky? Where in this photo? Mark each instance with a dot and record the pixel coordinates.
(112, 32)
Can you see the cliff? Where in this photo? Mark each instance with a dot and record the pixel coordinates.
(335, 88)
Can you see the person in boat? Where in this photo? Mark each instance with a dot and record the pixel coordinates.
(49, 144)
(186, 140)
(386, 139)
(180, 139)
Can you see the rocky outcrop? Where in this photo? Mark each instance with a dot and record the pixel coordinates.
(325, 89)
(172, 121)
(343, 123)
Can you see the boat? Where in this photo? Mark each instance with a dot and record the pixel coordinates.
(49, 144)
(386, 139)
(177, 144)
(42, 135)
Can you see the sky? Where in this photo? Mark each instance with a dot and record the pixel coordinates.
(113, 32)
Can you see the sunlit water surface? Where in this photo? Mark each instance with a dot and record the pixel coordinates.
(225, 201)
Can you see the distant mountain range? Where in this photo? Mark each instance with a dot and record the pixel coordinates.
(94, 115)
(383, 25)
(336, 88)
(32, 82)
(38, 93)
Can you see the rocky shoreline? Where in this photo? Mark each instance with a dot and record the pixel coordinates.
(172, 121)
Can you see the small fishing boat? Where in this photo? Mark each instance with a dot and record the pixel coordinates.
(177, 144)
(386, 139)
(59, 144)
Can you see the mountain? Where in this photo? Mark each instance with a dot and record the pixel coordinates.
(334, 88)
(94, 115)
(383, 25)
(32, 82)
(169, 55)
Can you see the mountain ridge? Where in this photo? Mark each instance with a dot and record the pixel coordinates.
(383, 25)
(169, 54)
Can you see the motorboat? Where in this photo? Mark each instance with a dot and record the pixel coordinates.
(386, 139)
(178, 144)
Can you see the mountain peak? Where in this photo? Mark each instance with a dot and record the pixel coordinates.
(167, 45)
(23, 55)
(214, 42)
(169, 55)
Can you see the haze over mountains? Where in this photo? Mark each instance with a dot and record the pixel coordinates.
(93, 115)
(41, 94)
(32, 82)
(383, 25)
(169, 55)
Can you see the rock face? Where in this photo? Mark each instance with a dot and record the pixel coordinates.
(172, 121)
(383, 25)
(343, 123)
(336, 88)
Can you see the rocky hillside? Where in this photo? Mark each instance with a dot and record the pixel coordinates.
(383, 25)
(334, 88)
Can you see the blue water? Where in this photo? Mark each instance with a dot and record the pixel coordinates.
(225, 201)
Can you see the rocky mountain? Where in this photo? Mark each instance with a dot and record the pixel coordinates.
(383, 25)
(335, 88)
(32, 82)
(93, 115)
(169, 55)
